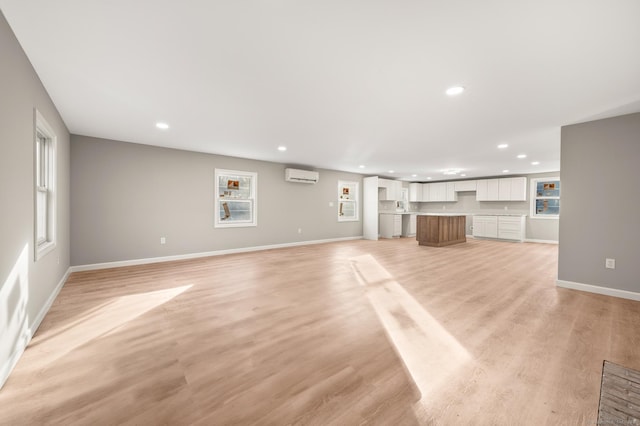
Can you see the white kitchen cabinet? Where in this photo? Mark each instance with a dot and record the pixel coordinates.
(451, 194)
(485, 226)
(426, 191)
(391, 190)
(390, 225)
(415, 192)
(518, 189)
(437, 191)
(482, 190)
(493, 189)
(511, 228)
(408, 225)
(465, 185)
(503, 189)
(501, 227)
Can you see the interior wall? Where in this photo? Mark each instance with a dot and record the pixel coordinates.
(599, 163)
(126, 196)
(27, 286)
(536, 229)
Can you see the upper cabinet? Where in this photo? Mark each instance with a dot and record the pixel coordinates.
(465, 185)
(499, 189)
(503, 189)
(389, 190)
(415, 192)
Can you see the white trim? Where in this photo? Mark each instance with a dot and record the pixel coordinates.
(10, 364)
(531, 240)
(252, 200)
(41, 249)
(624, 294)
(533, 187)
(117, 264)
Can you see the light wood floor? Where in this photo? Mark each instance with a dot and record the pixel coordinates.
(356, 332)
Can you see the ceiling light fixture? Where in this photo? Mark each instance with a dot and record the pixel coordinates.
(361, 166)
(282, 148)
(535, 163)
(414, 175)
(162, 126)
(503, 145)
(451, 171)
(522, 156)
(505, 171)
(429, 178)
(391, 171)
(455, 90)
(463, 175)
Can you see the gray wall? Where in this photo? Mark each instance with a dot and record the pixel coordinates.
(126, 196)
(536, 229)
(600, 198)
(25, 295)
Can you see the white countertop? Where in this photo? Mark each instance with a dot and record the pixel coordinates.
(452, 213)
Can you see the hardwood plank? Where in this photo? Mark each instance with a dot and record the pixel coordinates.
(317, 335)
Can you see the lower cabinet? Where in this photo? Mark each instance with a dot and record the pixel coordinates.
(408, 225)
(390, 225)
(501, 227)
(511, 228)
(485, 226)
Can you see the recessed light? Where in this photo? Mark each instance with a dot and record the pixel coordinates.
(505, 171)
(463, 174)
(522, 155)
(503, 145)
(162, 126)
(391, 171)
(361, 166)
(429, 178)
(282, 148)
(414, 175)
(535, 163)
(455, 90)
(451, 171)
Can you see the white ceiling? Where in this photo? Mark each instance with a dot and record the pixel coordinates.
(340, 83)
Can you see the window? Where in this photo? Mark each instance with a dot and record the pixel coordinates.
(347, 201)
(545, 198)
(45, 185)
(235, 194)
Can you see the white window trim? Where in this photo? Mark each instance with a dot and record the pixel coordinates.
(533, 185)
(253, 199)
(353, 199)
(48, 244)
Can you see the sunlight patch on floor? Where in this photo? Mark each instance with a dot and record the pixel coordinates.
(430, 354)
(99, 322)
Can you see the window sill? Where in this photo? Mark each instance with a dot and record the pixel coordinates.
(44, 249)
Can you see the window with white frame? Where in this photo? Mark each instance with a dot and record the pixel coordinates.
(347, 201)
(235, 195)
(545, 198)
(45, 185)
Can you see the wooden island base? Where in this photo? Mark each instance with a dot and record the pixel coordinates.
(438, 231)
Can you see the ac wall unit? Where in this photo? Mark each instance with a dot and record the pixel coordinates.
(302, 176)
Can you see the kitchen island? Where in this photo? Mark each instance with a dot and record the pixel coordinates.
(441, 230)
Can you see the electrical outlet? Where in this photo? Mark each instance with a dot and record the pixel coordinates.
(163, 240)
(506, 207)
(610, 263)
(299, 230)
(330, 203)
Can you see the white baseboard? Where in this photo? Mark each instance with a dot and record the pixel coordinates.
(10, 364)
(624, 294)
(133, 262)
(530, 240)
